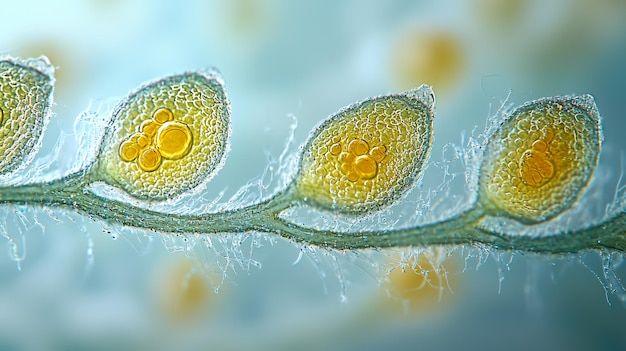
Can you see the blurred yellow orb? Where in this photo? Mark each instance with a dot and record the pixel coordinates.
(182, 293)
(428, 57)
(420, 281)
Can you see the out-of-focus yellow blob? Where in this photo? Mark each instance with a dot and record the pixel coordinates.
(167, 137)
(501, 15)
(426, 56)
(182, 293)
(421, 281)
(25, 98)
(368, 154)
(541, 158)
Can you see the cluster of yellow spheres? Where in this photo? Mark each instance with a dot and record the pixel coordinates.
(536, 166)
(158, 138)
(359, 162)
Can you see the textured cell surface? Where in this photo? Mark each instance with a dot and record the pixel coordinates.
(366, 155)
(167, 137)
(542, 157)
(25, 99)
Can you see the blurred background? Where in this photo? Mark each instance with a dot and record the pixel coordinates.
(70, 283)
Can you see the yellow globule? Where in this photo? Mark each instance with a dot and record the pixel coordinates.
(25, 99)
(421, 282)
(541, 158)
(436, 58)
(366, 155)
(167, 137)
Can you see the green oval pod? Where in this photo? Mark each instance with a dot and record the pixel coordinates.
(541, 158)
(167, 137)
(25, 99)
(368, 154)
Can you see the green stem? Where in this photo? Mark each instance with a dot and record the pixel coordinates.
(72, 192)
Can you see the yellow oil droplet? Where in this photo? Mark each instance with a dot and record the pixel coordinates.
(378, 153)
(387, 141)
(143, 141)
(181, 126)
(129, 151)
(163, 115)
(174, 140)
(365, 167)
(1, 115)
(149, 127)
(541, 158)
(346, 158)
(149, 159)
(358, 147)
(335, 149)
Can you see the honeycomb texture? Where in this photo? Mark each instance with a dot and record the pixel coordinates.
(541, 158)
(198, 104)
(25, 99)
(366, 155)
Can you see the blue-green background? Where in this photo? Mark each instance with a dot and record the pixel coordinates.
(307, 58)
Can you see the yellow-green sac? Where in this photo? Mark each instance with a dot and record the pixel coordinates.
(25, 99)
(167, 137)
(541, 158)
(368, 154)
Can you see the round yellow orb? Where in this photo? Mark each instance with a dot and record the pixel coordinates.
(174, 140)
(149, 159)
(129, 150)
(162, 115)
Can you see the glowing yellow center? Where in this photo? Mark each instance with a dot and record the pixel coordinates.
(1, 115)
(359, 162)
(535, 165)
(158, 138)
